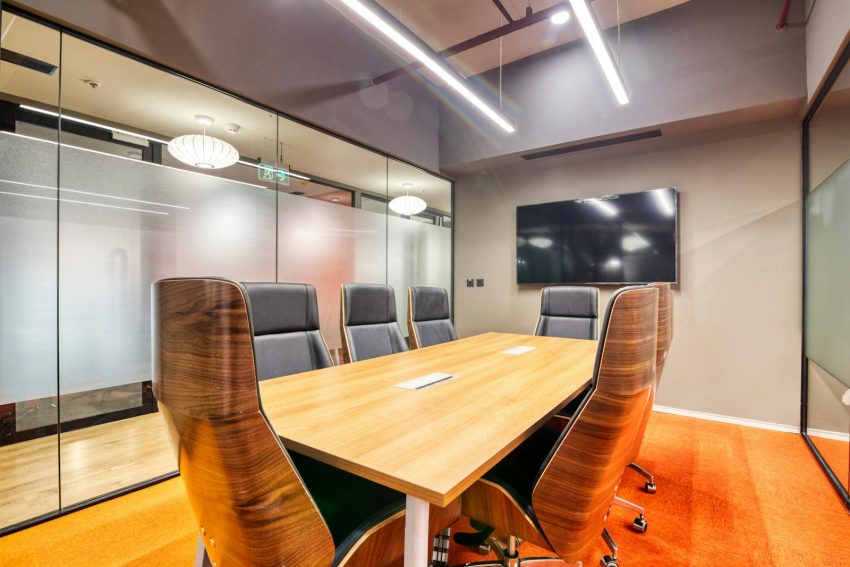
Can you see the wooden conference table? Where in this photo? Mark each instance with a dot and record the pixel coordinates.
(430, 443)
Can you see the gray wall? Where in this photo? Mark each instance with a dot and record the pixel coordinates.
(826, 32)
(697, 59)
(736, 346)
(298, 56)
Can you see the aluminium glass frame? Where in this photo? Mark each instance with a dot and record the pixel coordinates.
(15, 10)
(817, 102)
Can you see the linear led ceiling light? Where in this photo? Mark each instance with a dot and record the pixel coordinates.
(600, 48)
(428, 61)
(94, 124)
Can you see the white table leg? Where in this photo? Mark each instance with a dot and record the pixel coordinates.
(416, 536)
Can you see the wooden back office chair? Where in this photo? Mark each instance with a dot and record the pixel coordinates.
(665, 339)
(556, 492)
(252, 504)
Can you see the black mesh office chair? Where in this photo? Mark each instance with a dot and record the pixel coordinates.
(569, 312)
(287, 338)
(556, 488)
(428, 318)
(368, 323)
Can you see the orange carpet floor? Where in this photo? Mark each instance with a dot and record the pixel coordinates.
(727, 495)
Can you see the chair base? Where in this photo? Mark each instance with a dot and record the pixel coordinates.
(649, 485)
(509, 557)
(639, 524)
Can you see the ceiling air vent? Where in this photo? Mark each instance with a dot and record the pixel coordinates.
(16, 58)
(595, 144)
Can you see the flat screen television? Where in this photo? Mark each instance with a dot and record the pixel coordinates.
(617, 239)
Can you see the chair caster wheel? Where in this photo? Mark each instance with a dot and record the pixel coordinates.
(640, 524)
(649, 487)
(609, 561)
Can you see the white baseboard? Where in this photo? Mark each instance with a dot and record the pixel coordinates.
(836, 435)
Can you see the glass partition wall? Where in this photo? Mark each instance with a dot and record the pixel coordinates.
(826, 365)
(94, 208)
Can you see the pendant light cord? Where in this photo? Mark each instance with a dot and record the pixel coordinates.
(501, 111)
(618, 36)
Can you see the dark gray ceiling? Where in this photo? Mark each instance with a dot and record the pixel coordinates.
(299, 56)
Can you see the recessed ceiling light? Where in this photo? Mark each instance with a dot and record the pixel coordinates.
(560, 18)
(335, 199)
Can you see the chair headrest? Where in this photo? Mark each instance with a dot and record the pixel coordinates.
(429, 303)
(368, 304)
(566, 301)
(282, 307)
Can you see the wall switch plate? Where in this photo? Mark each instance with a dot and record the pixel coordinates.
(479, 282)
(469, 283)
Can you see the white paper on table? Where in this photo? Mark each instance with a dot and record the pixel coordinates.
(425, 381)
(518, 350)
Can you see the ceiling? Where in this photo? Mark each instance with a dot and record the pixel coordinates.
(141, 98)
(443, 23)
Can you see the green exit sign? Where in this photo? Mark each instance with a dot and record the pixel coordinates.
(272, 174)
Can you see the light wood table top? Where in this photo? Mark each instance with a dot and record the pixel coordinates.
(435, 442)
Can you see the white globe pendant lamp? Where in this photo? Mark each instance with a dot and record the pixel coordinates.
(202, 151)
(407, 205)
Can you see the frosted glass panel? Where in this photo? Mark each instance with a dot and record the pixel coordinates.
(123, 225)
(29, 444)
(828, 279)
(418, 254)
(326, 245)
(28, 268)
(136, 223)
(419, 247)
(93, 209)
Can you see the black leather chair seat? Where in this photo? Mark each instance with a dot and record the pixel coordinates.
(517, 473)
(350, 504)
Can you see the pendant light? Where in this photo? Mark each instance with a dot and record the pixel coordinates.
(407, 205)
(202, 151)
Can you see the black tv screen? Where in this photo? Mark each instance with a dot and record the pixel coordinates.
(617, 239)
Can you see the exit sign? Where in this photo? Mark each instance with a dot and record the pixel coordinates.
(272, 174)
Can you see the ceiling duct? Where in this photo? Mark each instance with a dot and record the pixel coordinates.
(594, 144)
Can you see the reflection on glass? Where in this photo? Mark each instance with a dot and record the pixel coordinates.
(89, 220)
(28, 210)
(326, 245)
(130, 214)
(827, 245)
(419, 247)
(829, 411)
